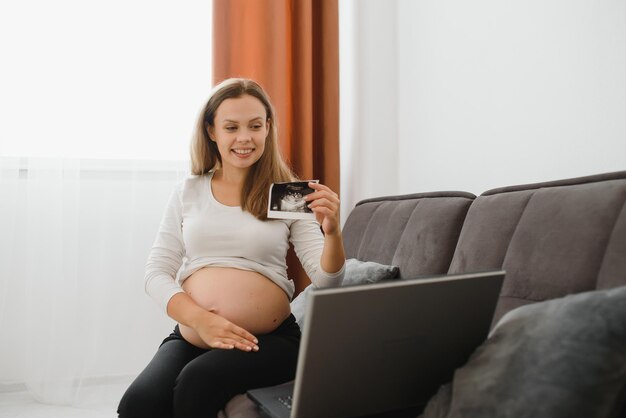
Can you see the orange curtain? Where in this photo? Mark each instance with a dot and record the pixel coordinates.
(291, 47)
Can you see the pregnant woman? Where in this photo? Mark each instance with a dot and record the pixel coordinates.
(218, 265)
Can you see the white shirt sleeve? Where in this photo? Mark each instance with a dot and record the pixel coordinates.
(308, 243)
(166, 255)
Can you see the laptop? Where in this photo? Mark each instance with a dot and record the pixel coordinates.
(368, 349)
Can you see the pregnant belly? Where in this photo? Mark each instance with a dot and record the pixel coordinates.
(246, 298)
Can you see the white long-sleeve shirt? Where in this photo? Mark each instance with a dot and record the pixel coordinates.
(198, 231)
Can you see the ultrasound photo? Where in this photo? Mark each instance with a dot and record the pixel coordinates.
(287, 200)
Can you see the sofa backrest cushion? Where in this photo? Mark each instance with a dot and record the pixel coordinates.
(553, 239)
(417, 232)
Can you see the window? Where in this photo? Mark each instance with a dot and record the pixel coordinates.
(111, 79)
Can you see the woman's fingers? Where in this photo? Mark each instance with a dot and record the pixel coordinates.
(249, 343)
(245, 346)
(325, 204)
(222, 345)
(241, 339)
(321, 191)
(320, 186)
(231, 343)
(240, 332)
(323, 196)
(223, 334)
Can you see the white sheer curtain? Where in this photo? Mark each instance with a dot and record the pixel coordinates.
(99, 100)
(74, 238)
(368, 100)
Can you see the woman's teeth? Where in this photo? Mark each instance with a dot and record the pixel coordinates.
(242, 151)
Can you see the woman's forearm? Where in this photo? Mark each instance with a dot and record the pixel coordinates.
(333, 255)
(184, 310)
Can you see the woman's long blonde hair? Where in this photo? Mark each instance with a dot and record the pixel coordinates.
(270, 168)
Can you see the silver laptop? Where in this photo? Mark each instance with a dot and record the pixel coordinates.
(368, 349)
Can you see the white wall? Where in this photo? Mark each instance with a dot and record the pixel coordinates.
(484, 94)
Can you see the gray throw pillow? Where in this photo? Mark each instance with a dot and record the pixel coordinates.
(564, 357)
(357, 272)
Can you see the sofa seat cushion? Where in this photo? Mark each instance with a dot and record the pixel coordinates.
(560, 358)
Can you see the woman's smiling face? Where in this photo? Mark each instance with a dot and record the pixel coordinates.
(240, 129)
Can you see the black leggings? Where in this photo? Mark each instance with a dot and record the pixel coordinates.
(183, 380)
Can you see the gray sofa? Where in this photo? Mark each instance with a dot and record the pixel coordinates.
(553, 239)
